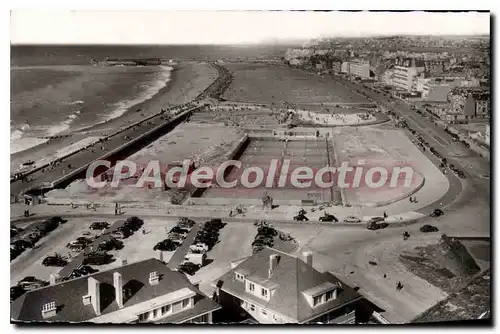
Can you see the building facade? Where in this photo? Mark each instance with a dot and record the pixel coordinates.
(404, 78)
(142, 292)
(467, 104)
(359, 68)
(273, 287)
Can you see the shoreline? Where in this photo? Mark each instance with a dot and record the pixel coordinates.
(171, 95)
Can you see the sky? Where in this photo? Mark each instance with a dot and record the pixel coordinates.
(224, 27)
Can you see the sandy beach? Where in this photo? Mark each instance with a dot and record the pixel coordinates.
(187, 80)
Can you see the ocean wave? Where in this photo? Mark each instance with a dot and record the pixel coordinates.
(72, 103)
(121, 107)
(64, 125)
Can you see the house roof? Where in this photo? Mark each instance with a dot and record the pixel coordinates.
(68, 295)
(290, 279)
(439, 93)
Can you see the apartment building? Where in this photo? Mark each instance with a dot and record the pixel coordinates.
(405, 78)
(142, 292)
(359, 68)
(466, 104)
(273, 287)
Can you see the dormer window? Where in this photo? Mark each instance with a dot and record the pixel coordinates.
(329, 295)
(240, 277)
(264, 292)
(317, 300)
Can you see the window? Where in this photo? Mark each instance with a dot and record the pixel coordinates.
(240, 277)
(251, 287)
(263, 292)
(317, 300)
(185, 303)
(166, 309)
(144, 316)
(155, 313)
(252, 307)
(263, 312)
(329, 295)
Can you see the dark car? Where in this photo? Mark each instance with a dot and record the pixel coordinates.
(77, 246)
(177, 229)
(267, 231)
(58, 220)
(328, 218)
(428, 228)
(110, 244)
(134, 223)
(54, 261)
(437, 213)
(215, 223)
(166, 245)
(99, 225)
(300, 217)
(15, 252)
(22, 244)
(87, 270)
(16, 292)
(97, 258)
(31, 283)
(188, 268)
(126, 231)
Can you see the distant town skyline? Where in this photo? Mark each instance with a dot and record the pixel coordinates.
(231, 27)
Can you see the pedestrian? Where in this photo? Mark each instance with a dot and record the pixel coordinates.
(385, 214)
(385, 275)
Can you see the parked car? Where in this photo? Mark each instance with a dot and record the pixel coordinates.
(84, 240)
(179, 230)
(22, 244)
(97, 258)
(328, 218)
(31, 283)
(15, 231)
(134, 223)
(87, 270)
(16, 292)
(185, 223)
(437, 213)
(216, 223)
(300, 217)
(188, 268)
(58, 220)
(15, 252)
(110, 244)
(428, 228)
(352, 219)
(166, 245)
(376, 224)
(76, 245)
(54, 261)
(99, 225)
(122, 233)
(199, 247)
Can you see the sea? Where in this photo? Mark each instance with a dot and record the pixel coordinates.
(55, 90)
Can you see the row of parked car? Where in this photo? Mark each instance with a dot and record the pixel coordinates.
(444, 163)
(205, 240)
(25, 239)
(175, 236)
(265, 236)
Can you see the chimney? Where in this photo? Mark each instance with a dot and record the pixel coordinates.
(308, 257)
(273, 263)
(53, 278)
(160, 255)
(154, 278)
(94, 293)
(118, 284)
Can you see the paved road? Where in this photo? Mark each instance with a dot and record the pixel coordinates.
(85, 157)
(182, 250)
(475, 167)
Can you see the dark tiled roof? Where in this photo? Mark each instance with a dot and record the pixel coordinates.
(292, 276)
(68, 295)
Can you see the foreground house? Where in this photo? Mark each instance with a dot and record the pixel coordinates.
(276, 287)
(142, 292)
